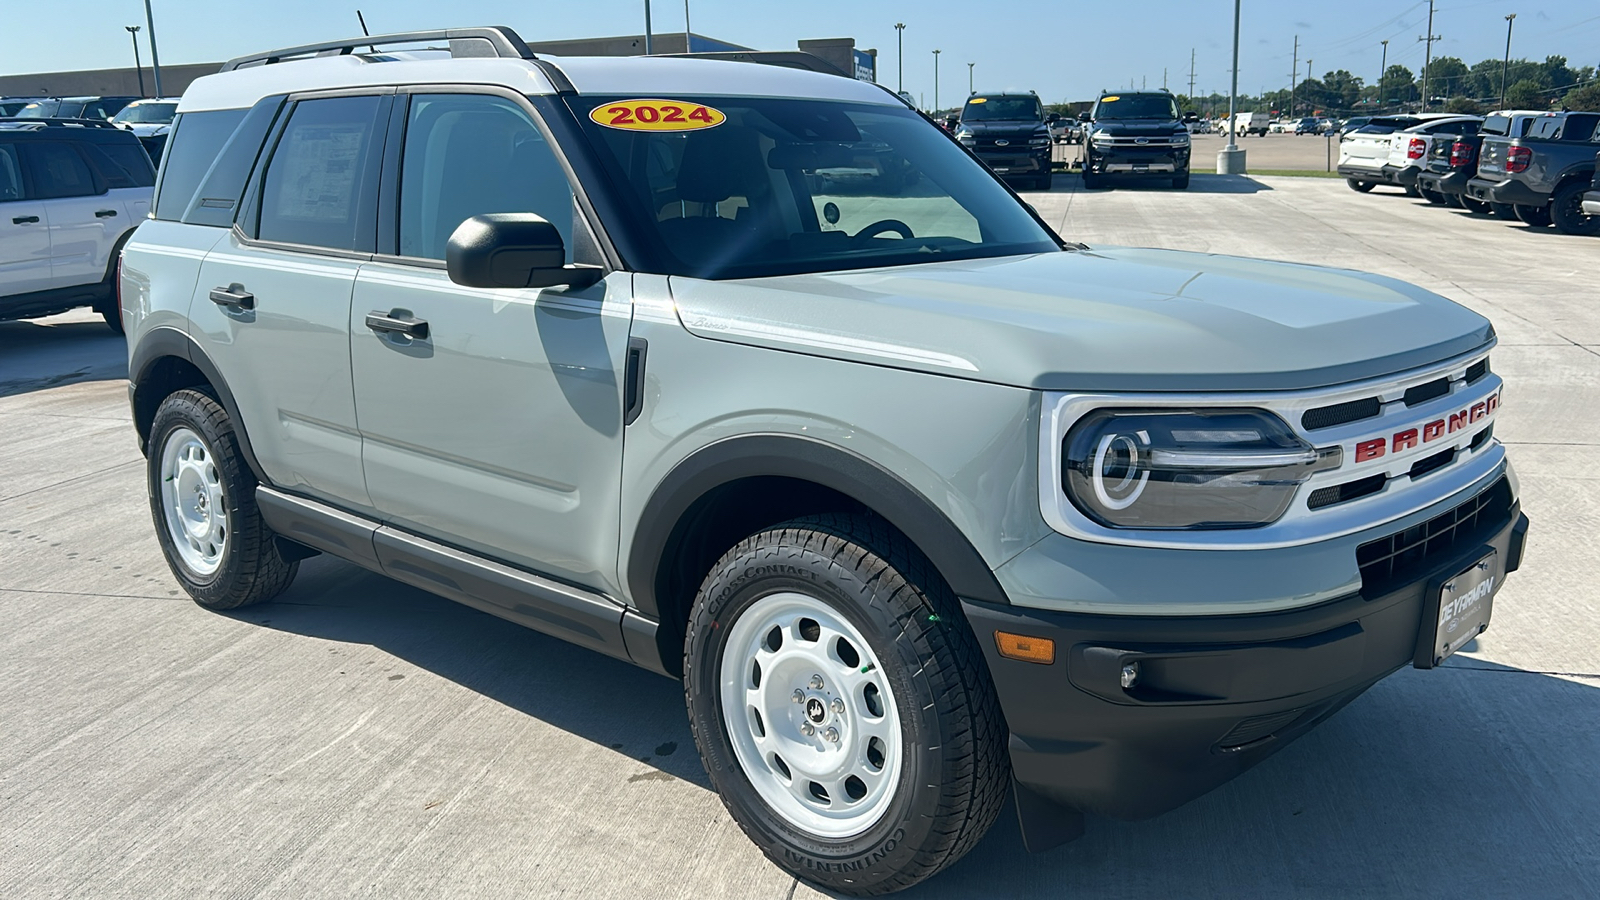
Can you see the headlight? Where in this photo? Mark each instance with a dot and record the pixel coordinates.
(1039, 140)
(966, 138)
(1098, 136)
(1186, 469)
(1180, 137)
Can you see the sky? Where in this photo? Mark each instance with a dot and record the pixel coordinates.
(1064, 49)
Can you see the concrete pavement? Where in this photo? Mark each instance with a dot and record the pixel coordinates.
(359, 738)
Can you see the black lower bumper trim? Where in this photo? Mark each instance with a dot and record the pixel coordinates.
(1508, 191)
(1213, 696)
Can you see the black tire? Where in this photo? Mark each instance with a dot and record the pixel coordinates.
(251, 569)
(1432, 196)
(1413, 191)
(1091, 181)
(1475, 206)
(954, 770)
(1566, 211)
(1360, 187)
(1453, 201)
(1181, 182)
(1534, 216)
(1503, 210)
(108, 310)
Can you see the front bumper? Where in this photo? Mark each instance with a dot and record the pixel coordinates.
(1216, 694)
(1405, 176)
(1014, 163)
(1122, 161)
(1591, 203)
(1508, 191)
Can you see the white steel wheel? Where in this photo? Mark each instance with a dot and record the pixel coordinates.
(810, 715)
(193, 502)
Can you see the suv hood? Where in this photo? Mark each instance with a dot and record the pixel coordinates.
(1003, 127)
(1101, 320)
(1138, 127)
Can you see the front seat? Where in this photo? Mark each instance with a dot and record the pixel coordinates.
(719, 163)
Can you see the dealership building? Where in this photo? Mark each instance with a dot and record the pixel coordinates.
(840, 53)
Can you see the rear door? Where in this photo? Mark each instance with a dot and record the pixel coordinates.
(272, 305)
(84, 221)
(499, 429)
(24, 230)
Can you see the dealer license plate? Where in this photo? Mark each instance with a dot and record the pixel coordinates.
(1141, 167)
(1465, 603)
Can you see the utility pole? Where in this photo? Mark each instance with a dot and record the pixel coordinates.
(1294, 72)
(1506, 64)
(1427, 55)
(969, 79)
(900, 61)
(1383, 72)
(936, 82)
(155, 58)
(687, 32)
(1163, 78)
(133, 31)
(1191, 74)
(646, 27)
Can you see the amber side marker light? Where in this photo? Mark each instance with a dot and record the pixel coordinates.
(1028, 649)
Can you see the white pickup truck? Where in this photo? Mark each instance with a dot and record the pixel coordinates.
(1251, 123)
(1393, 149)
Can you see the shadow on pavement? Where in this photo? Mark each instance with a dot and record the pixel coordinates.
(1199, 183)
(40, 354)
(612, 703)
(1475, 780)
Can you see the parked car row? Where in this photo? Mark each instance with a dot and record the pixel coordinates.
(148, 118)
(1535, 166)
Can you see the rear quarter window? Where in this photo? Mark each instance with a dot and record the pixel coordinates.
(196, 139)
(122, 165)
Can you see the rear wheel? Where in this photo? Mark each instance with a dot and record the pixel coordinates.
(1503, 210)
(1432, 196)
(1566, 211)
(1358, 186)
(1535, 216)
(1412, 190)
(1475, 206)
(202, 498)
(841, 705)
(1452, 200)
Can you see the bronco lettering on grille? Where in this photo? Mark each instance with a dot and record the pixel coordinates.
(1368, 450)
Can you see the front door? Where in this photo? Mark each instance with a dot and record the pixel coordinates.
(84, 221)
(499, 430)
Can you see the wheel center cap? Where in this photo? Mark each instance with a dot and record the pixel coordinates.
(816, 711)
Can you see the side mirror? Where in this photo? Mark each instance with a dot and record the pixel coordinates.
(512, 250)
(1084, 117)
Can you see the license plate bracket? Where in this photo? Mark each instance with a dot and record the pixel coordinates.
(1457, 609)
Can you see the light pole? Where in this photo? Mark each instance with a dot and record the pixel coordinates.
(1506, 63)
(133, 32)
(936, 82)
(686, 30)
(1310, 107)
(646, 27)
(155, 56)
(1230, 159)
(969, 78)
(1383, 72)
(900, 54)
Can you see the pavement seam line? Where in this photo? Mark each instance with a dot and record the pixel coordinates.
(70, 480)
(1515, 671)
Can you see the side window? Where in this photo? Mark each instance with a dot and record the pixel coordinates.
(468, 154)
(10, 173)
(57, 171)
(121, 165)
(195, 140)
(320, 183)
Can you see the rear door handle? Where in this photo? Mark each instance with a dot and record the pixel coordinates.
(233, 296)
(397, 322)
(104, 213)
(24, 220)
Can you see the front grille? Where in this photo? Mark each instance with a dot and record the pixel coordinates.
(1409, 554)
(1340, 413)
(1477, 370)
(1350, 490)
(1422, 393)
(1432, 463)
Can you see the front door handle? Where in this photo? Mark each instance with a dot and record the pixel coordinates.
(104, 213)
(233, 296)
(24, 220)
(397, 322)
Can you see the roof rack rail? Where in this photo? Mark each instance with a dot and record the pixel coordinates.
(489, 41)
(789, 59)
(32, 124)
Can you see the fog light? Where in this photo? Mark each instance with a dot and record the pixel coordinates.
(1025, 648)
(1130, 675)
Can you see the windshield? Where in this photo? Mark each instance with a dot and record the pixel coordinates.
(42, 109)
(147, 114)
(743, 187)
(1136, 106)
(981, 108)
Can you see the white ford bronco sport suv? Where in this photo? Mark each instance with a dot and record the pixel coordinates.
(925, 506)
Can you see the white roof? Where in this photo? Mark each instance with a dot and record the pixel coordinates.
(630, 75)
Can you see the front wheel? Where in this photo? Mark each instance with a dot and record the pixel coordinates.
(1360, 187)
(202, 498)
(1181, 182)
(841, 705)
(1534, 216)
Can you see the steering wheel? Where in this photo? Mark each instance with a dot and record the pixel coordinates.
(882, 225)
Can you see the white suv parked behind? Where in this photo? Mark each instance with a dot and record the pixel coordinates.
(1393, 149)
(71, 194)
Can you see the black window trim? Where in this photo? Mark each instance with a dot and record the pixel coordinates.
(389, 191)
(250, 204)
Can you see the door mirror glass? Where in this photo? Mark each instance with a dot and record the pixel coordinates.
(512, 250)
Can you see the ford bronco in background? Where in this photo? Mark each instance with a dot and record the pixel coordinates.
(925, 506)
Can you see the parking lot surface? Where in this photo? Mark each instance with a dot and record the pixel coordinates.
(360, 738)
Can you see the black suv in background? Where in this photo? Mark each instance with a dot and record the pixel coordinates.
(1136, 134)
(1011, 134)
